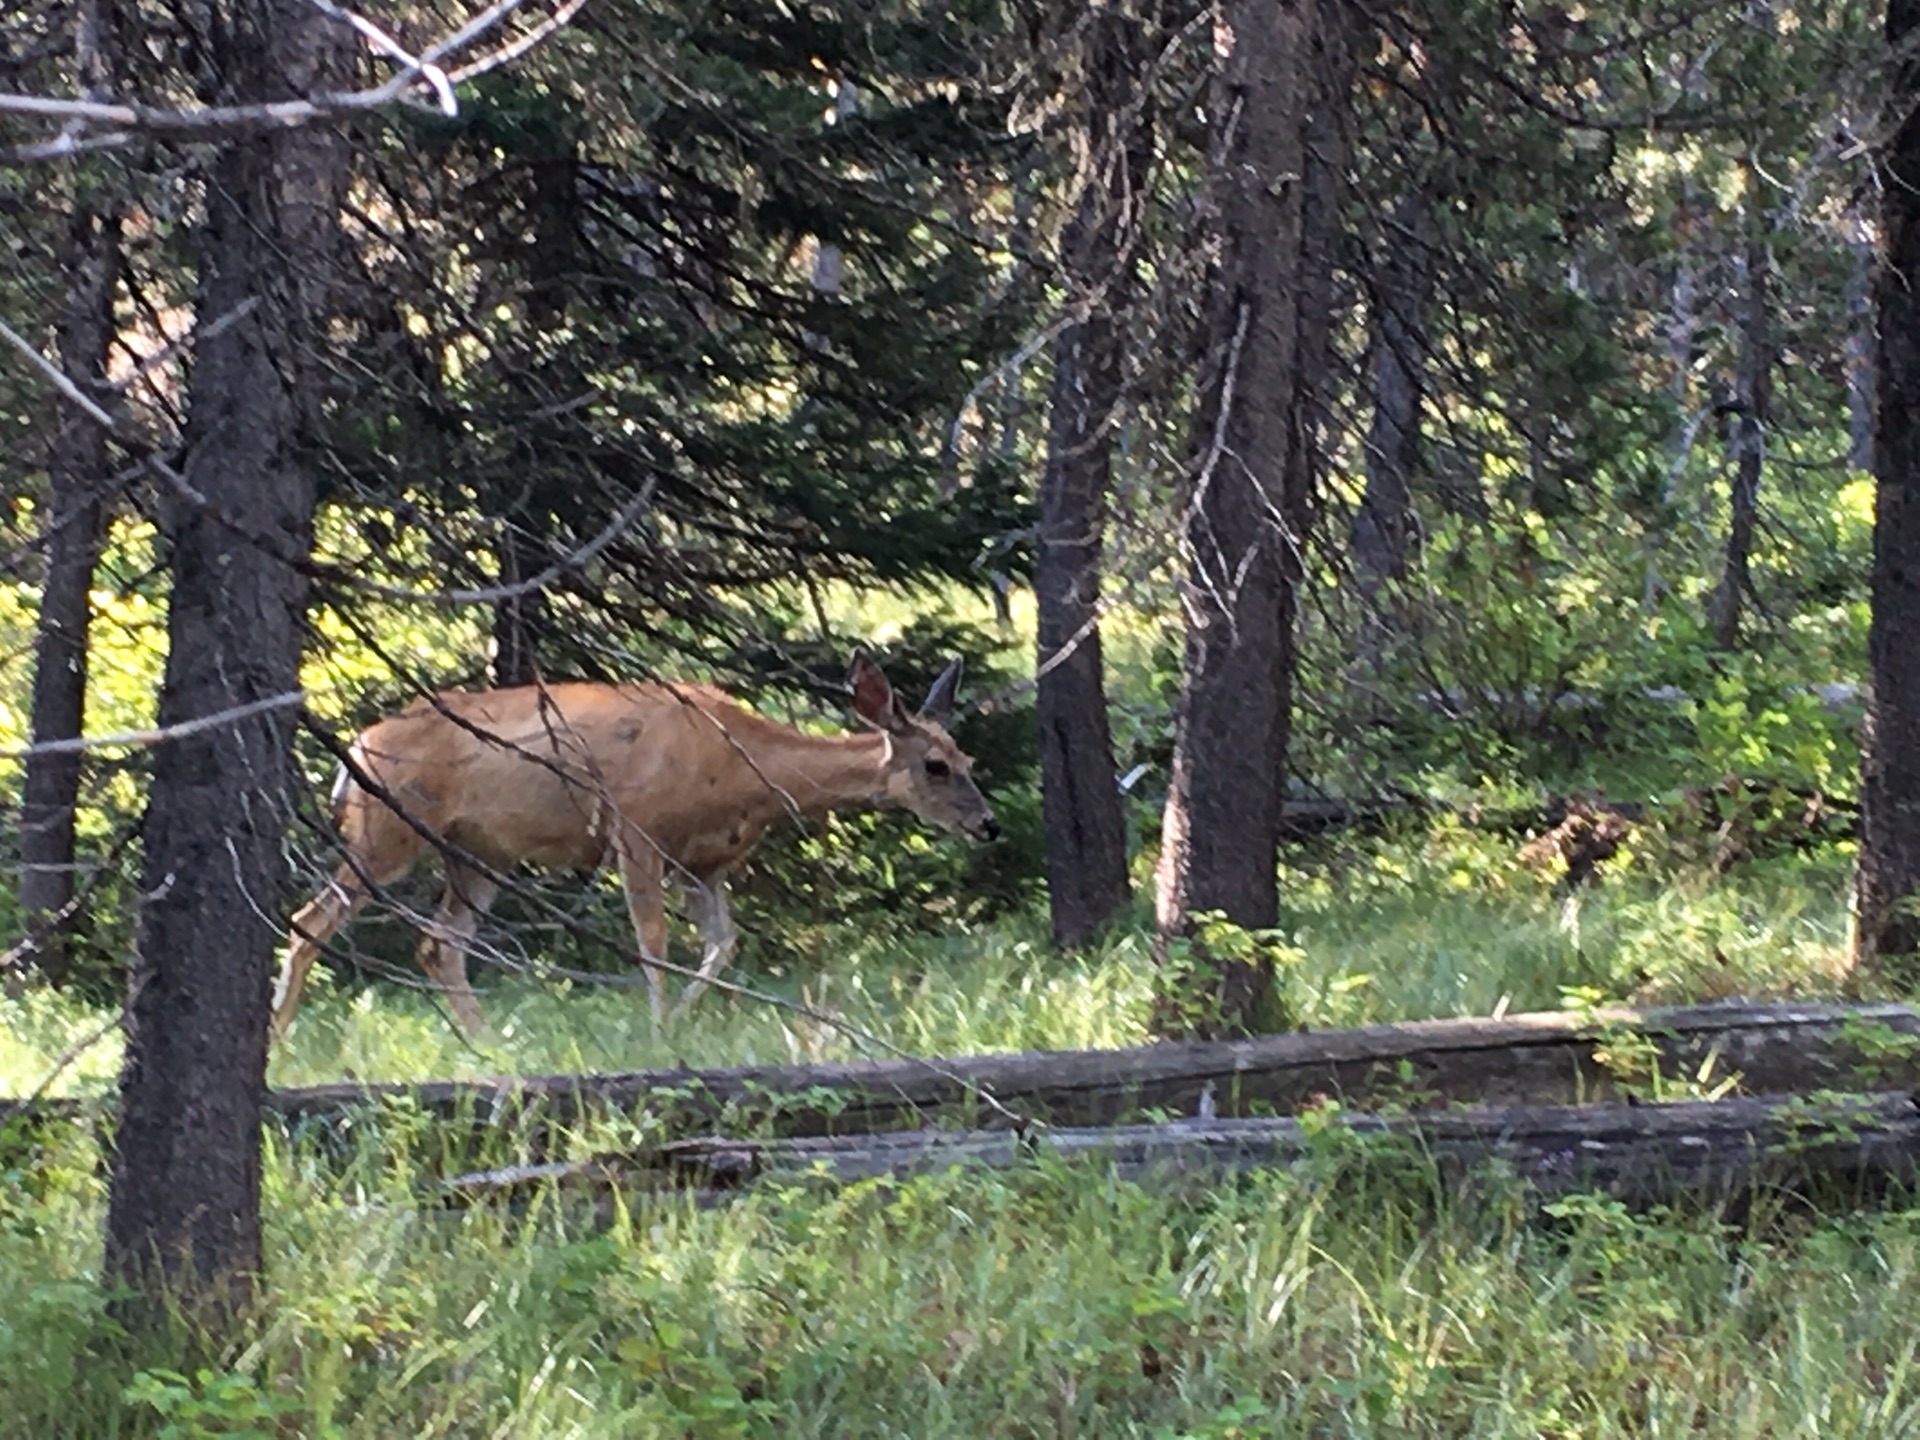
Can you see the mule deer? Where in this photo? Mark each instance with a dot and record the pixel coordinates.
(667, 782)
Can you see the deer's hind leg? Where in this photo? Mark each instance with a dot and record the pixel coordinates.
(718, 935)
(444, 942)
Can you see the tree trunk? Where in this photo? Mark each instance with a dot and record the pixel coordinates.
(1220, 832)
(1549, 1058)
(76, 474)
(1383, 528)
(184, 1213)
(519, 621)
(1086, 829)
(1886, 924)
(1749, 435)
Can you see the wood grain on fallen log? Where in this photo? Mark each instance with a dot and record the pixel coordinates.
(1640, 1153)
(1538, 1059)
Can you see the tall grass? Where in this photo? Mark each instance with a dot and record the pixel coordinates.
(1347, 1296)
(1338, 1298)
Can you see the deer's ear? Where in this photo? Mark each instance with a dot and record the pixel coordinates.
(873, 698)
(939, 702)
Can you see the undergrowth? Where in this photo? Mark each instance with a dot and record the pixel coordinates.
(1348, 1296)
(1340, 1298)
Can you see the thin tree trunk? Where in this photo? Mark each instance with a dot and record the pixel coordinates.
(1085, 827)
(76, 471)
(520, 621)
(1749, 436)
(184, 1211)
(1383, 528)
(1220, 831)
(1886, 923)
(523, 623)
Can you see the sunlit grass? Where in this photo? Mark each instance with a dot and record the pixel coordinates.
(1399, 931)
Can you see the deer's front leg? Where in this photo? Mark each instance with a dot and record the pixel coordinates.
(643, 875)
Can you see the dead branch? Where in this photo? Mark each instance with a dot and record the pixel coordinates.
(98, 124)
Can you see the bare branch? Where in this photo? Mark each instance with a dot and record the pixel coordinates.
(114, 124)
(517, 48)
(57, 377)
(146, 738)
(491, 594)
(387, 45)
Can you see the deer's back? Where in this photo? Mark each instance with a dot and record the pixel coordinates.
(546, 773)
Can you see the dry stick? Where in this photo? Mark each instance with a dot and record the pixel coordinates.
(150, 460)
(196, 335)
(123, 122)
(490, 594)
(39, 927)
(148, 738)
(58, 378)
(383, 42)
(85, 1043)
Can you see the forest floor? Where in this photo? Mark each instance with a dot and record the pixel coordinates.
(1336, 1297)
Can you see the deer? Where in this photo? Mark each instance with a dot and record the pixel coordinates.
(669, 783)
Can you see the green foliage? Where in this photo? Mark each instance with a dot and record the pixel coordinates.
(1195, 976)
(1357, 1292)
(1352, 1295)
(211, 1403)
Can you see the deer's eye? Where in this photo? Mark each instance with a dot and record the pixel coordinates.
(939, 769)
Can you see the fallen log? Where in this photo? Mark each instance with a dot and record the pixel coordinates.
(1642, 1154)
(1538, 1059)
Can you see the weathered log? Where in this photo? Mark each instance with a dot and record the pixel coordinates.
(1537, 1059)
(1639, 1153)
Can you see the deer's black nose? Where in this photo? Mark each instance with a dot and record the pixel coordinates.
(991, 830)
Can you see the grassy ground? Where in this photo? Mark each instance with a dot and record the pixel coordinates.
(1350, 1296)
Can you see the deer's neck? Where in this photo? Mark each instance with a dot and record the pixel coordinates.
(813, 774)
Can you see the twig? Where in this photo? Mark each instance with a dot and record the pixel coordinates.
(56, 377)
(161, 735)
(387, 45)
(85, 1043)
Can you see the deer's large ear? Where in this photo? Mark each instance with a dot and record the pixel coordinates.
(939, 702)
(873, 698)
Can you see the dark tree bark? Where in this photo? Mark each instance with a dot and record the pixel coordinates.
(184, 1213)
(520, 622)
(1887, 927)
(1086, 829)
(1755, 382)
(1220, 832)
(76, 475)
(1383, 528)
(523, 623)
